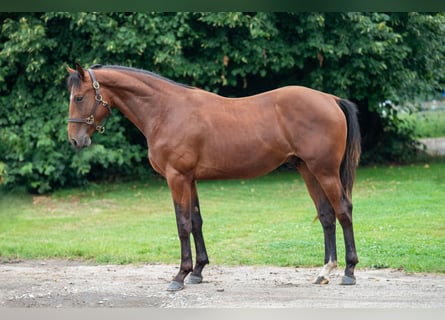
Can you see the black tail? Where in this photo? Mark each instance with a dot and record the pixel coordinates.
(353, 146)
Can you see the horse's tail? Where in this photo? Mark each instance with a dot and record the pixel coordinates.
(353, 146)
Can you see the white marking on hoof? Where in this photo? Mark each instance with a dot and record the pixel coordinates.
(321, 280)
(323, 276)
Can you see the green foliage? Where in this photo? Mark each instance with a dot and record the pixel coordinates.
(429, 124)
(367, 57)
(262, 221)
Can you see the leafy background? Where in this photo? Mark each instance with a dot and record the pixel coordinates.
(366, 57)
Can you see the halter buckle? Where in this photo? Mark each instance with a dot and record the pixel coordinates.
(89, 120)
(100, 129)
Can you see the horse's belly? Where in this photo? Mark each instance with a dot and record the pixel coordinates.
(243, 166)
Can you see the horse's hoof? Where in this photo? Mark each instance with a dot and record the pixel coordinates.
(175, 286)
(194, 279)
(321, 280)
(348, 281)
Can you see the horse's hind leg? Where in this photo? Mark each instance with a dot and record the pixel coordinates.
(348, 234)
(326, 215)
(201, 252)
(342, 206)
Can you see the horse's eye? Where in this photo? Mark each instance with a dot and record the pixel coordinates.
(79, 99)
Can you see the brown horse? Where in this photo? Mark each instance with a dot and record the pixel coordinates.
(193, 134)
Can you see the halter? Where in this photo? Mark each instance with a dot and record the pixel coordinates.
(100, 127)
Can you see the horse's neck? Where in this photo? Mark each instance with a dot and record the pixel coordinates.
(141, 100)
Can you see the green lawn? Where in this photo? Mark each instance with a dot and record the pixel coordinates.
(430, 122)
(399, 220)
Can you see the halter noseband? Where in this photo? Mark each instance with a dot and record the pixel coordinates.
(100, 127)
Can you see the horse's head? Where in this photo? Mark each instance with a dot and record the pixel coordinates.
(87, 107)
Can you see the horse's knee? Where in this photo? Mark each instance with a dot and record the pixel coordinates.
(326, 214)
(184, 231)
(184, 228)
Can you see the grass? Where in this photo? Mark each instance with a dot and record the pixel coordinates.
(399, 221)
(429, 123)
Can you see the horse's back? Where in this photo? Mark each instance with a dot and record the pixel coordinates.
(258, 133)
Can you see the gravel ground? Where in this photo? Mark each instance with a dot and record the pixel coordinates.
(62, 284)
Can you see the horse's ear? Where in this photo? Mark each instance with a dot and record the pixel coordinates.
(70, 71)
(79, 69)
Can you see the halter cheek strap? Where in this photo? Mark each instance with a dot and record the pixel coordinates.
(100, 127)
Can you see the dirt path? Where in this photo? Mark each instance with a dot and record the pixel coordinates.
(74, 284)
(434, 146)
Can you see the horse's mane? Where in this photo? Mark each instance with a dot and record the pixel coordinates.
(75, 80)
(148, 73)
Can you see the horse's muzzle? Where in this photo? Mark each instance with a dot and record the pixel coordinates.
(81, 142)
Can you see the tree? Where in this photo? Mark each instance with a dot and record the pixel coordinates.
(367, 57)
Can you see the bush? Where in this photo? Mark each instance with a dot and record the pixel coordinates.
(365, 57)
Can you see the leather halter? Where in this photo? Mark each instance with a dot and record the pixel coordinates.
(100, 127)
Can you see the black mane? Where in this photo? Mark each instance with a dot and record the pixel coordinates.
(74, 79)
(148, 73)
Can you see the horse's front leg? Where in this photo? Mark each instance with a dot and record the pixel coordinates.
(180, 188)
(201, 253)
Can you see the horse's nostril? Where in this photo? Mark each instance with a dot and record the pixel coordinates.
(74, 142)
(80, 142)
(86, 141)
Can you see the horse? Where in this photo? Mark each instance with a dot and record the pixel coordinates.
(193, 134)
